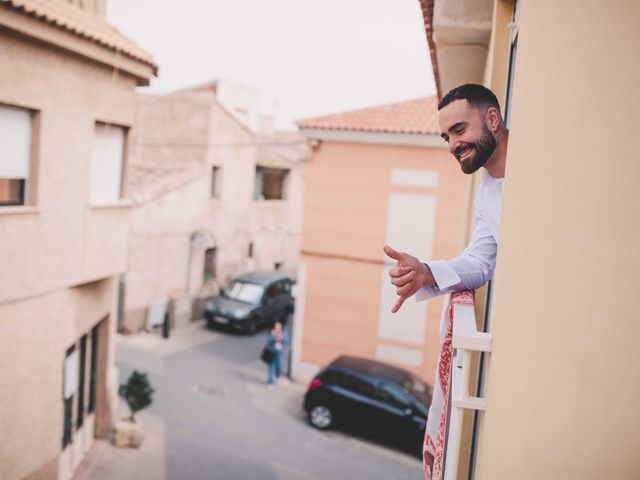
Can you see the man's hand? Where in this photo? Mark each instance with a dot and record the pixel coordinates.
(408, 275)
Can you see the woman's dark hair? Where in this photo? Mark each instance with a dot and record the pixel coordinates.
(477, 95)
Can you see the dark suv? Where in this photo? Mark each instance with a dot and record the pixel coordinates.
(371, 397)
(251, 301)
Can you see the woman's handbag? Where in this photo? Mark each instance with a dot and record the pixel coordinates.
(267, 355)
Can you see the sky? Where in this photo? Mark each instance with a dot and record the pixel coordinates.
(306, 57)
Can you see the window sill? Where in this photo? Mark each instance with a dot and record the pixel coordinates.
(18, 210)
(107, 206)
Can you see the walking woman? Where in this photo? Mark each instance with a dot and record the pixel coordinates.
(276, 342)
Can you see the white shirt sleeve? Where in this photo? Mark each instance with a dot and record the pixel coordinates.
(472, 269)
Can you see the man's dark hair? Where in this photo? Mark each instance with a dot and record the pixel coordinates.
(477, 95)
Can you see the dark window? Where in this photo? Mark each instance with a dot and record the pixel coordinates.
(359, 385)
(11, 191)
(67, 421)
(391, 395)
(510, 81)
(68, 409)
(250, 250)
(16, 131)
(270, 183)
(273, 290)
(215, 182)
(93, 369)
(277, 265)
(210, 264)
(81, 375)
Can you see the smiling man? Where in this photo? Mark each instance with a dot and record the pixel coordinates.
(472, 125)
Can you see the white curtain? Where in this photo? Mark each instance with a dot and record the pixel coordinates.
(15, 142)
(106, 164)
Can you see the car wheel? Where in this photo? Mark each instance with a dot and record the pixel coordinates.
(321, 417)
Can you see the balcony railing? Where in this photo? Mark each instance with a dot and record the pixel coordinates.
(459, 337)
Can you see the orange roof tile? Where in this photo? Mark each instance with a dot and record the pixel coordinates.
(68, 17)
(427, 14)
(419, 116)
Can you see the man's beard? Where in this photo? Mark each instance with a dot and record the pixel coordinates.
(484, 148)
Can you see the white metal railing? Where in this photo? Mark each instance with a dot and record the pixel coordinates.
(465, 339)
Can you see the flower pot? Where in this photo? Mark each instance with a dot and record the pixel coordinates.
(127, 433)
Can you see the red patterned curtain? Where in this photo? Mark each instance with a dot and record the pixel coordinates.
(436, 431)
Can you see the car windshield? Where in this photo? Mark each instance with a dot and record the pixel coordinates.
(420, 390)
(243, 292)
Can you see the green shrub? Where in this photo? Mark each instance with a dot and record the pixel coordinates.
(136, 392)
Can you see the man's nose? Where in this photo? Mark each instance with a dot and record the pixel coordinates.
(453, 147)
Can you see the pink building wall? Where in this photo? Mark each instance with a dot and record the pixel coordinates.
(348, 217)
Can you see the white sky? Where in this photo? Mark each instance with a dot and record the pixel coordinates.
(305, 57)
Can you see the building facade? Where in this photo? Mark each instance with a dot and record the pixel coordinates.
(560, 382)
(377, 176)
(213, 198)
(66, 106)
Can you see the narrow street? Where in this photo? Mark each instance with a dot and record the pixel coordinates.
(213, 418)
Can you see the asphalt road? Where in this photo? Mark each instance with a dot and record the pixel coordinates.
(215, 418)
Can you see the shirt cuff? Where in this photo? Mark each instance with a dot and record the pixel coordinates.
(444, 275)
(425, 293)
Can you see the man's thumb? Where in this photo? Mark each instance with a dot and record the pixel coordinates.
(391, 252)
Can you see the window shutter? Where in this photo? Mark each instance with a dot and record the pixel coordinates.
(106, 164)
(15, 142)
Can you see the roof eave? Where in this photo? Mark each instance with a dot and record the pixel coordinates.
(458, 32)
(427, 15)
(427, 140)
(51, 35)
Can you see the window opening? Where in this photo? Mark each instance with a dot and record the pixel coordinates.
(215, 182)
(107, 161)
(270, 183)
(93, 369)
(81, 381)
(15, 154)
(210, 264)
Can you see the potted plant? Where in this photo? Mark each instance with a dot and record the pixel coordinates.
(137, 392)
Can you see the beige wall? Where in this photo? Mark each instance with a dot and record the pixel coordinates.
(346, 218)
(62, 241)
(171, 128)
(60, 256)
(562, 383)
(36, 334)
(161, 227)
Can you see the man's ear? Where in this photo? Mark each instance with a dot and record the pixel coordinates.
(492, 117)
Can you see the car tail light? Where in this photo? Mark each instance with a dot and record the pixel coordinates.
(315, 383)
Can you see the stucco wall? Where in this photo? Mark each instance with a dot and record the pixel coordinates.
(59, 256)
(562, 383)
(31, 386)
(160, 250)
(64, 241)
(346, 223)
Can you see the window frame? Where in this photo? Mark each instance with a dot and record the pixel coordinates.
(29, 186)
(123, 165)
(210, 264)
(259, 183)
(216, 182)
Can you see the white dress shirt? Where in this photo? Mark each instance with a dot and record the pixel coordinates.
(474, 267)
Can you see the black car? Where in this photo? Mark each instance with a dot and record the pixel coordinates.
(251, 301)
(370, 397)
